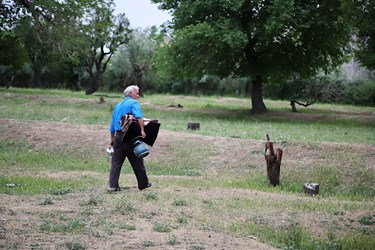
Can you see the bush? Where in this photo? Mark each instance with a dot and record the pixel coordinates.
(361, 93)
(323, 89)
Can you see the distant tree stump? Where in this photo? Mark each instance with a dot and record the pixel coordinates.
(273, 162)
(311, 188)
(193, 125)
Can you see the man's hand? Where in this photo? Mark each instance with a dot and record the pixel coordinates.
(143, 134)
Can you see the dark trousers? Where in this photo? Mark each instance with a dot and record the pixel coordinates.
(121, 151)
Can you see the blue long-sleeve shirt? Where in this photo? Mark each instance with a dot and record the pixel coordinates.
(127, 106)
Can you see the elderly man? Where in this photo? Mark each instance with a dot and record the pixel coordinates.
(123, 149)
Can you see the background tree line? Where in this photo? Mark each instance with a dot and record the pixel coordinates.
(292, 50)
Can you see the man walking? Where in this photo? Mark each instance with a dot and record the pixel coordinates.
(122, 149)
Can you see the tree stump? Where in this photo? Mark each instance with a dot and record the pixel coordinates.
(273, 162)
(311, 188)
(193, 125)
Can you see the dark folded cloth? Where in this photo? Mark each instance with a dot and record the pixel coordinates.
(134, 132)
(152, 131)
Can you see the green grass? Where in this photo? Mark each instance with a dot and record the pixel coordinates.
(162, 227)
(226, 117)
(296, 237)
(31, 185)
(186, 182)
(31, 160)
(72, 225)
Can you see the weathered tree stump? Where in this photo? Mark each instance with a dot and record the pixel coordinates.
(273, 162)
(193, 125)
(311, 188)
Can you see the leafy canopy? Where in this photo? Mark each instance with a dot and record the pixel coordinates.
(361, 15)
(256, 38)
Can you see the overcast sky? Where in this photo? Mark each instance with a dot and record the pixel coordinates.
(141, 13)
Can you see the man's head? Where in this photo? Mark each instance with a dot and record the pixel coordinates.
(132, 91)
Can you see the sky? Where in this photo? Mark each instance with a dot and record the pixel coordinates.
(141, 13)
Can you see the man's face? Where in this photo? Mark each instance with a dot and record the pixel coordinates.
(134, 94)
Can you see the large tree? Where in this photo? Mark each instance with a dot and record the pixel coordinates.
(134, 59)
(259, 39)
(103, 39)
(361, 15)
(82, 34)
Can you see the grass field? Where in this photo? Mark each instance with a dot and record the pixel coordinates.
(210, 186)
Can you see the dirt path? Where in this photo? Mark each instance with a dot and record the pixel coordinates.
(22, 217)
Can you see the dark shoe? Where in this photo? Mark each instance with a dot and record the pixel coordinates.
(113, 190)
(147, 186)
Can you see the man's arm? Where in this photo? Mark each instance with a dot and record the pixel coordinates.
(112, 138)
(141, 125)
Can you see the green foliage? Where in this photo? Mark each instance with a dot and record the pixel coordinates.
(140, 50)
(129, 227)
(72, 225)
(294, 236)
(150, 196)
(255, 39)
(148, 243)
(179, 202)
(361, 15)
(161, 227)
(367, 220)
(361, 93)
(75, 245)
(172, 240)
(64, 54)
(182, 220)
(125, 207)
(323, 89)
(47, 201)
(13, 54)
(92, 201)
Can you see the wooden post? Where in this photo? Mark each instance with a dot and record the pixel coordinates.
(273, 162)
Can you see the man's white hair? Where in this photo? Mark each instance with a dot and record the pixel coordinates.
(130, 88)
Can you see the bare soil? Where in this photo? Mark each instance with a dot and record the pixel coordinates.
(23, 216)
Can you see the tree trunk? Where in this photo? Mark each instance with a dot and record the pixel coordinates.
(96, 82)
(135, 77)
(93, 88)
(258, 106)
(293, 104)
(273, 162)
(72, 81)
